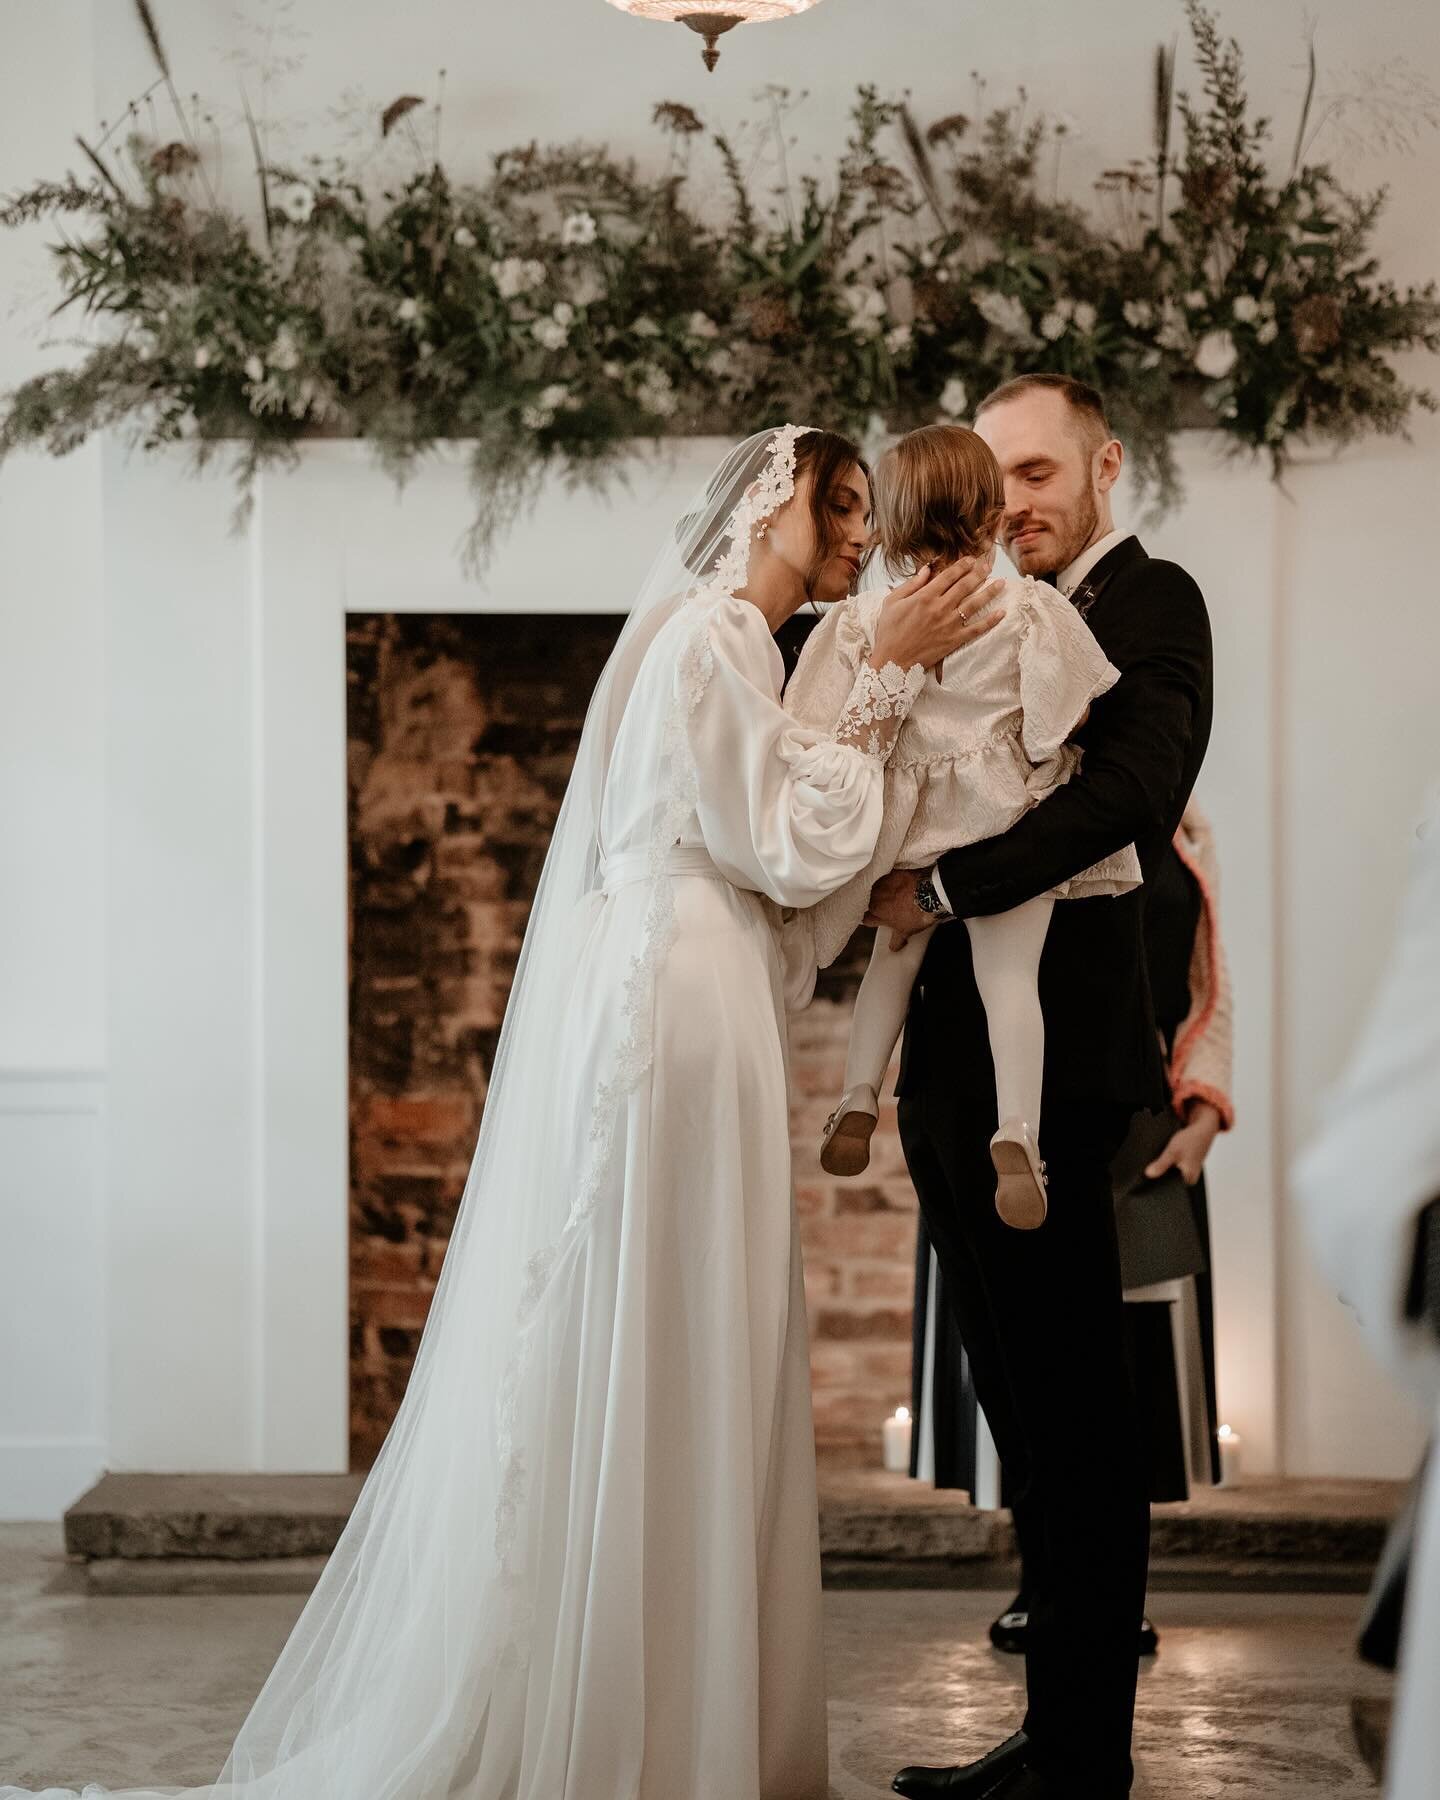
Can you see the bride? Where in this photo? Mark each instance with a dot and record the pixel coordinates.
(585, 1564)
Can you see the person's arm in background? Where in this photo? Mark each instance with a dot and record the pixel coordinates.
(1202, 1060)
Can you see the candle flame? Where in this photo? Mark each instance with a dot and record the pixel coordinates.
(1225, 1432)
(902, 1412)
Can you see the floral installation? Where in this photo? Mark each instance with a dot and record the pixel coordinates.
(570, 304)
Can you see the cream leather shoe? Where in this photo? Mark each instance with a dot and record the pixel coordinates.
(1020, 1191)
(845, 1147)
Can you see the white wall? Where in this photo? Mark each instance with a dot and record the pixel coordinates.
(1324, 648)
(52, 1023)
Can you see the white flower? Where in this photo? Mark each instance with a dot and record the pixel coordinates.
(465, 237)
(1085, 316)
(563, 313)
(408, 311)
(899, 339)
(144, 352)
(587, 288)
(514, 276)
(535, 418)
(579, 228)
(1261, 269)
(1066, 309)
(1266, 332)
(1139, 314)
(202, 358)
(1196, 298)
(656, 393)
(550, 332)
(1053, 325)
(1216, 355)
(646, 328)
(1174, 333)
(254, 368)
(1150, 360)
(953, 398)
(701, 325)
(612, 371)
(427, 349)
(1005, 312)
(720, 362)
(554, 396)
(863, 301)
(866, 307)
(1246, 309)
(297, 202)
(284, 352)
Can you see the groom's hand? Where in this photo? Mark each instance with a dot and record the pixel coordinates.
(893, 903)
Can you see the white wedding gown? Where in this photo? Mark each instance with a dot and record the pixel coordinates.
(614, 1593)
(706, 1540)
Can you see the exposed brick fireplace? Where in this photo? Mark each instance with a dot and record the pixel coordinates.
(461, 729)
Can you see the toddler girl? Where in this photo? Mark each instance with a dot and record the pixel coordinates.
(985, 741)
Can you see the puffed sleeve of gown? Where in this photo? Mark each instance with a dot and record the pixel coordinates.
(786, 809)
(1062, 669)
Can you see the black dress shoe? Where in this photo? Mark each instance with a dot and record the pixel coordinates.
(1028, 1784)
(1011, 1631)
(967, 1781)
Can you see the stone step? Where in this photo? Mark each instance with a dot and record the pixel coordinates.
(271, 1533)
(231, 1517)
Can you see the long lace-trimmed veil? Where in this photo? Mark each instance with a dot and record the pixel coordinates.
(410, 1673)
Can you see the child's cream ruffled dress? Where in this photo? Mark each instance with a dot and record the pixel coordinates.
(982, 745)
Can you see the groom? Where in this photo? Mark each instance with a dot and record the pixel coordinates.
(1040, 1311)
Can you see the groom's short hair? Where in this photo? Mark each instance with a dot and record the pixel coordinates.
(1086, 403)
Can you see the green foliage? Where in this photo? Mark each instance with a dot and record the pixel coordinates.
(572, 303)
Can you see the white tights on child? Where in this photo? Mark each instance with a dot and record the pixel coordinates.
(1006, 949)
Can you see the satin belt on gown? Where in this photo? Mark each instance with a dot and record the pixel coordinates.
(634, 865)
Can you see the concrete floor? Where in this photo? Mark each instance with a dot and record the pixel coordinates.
(1249, 1696)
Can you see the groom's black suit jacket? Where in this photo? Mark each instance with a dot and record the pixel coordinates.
(1143, 745)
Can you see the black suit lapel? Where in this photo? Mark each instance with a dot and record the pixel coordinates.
(1125, 555)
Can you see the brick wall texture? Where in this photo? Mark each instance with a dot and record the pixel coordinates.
(461, 731)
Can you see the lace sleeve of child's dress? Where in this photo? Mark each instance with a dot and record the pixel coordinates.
(878, 705)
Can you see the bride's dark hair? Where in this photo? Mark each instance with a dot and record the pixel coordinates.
(827, 457)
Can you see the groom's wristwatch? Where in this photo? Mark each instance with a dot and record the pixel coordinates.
(928, 900)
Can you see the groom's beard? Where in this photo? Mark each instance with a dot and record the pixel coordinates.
(1056, 543)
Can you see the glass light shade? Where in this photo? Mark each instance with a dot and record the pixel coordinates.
(713, 17)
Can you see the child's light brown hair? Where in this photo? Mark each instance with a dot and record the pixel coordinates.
(939, 495)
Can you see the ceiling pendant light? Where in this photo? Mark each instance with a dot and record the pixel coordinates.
(712, 18)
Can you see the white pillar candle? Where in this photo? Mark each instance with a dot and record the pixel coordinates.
(1229, 1456)
(897, 1441)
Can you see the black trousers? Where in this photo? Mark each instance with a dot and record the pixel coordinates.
(1041, 1317)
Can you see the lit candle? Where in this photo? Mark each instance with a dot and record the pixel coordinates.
(1229, 1456)
(897, 1441)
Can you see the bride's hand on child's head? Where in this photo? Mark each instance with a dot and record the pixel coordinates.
(937, 612)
